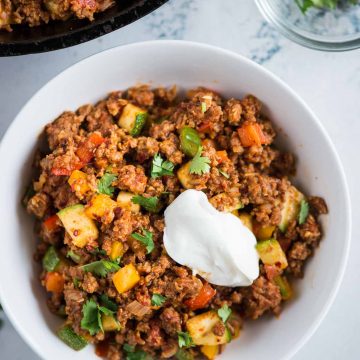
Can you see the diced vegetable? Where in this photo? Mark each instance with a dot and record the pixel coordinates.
(183, 354)
(54, 282)
(126, 278)
(101, 206)
(78, 225)
(137, 309)
(210, 351)
(200, 329)
(271, 253)
(117, 250)
(109, 323)
(246, 220)
(263, 232)
(222, 156)
(51, 223)
(132, 119)
(86, 150)
(285, 288)
(51, 259)
(202, 299)
(251, 135)
(223, 198)
(291, 207)
(78, 182)
(124, 201)
(187, 180)
(70, 338)
(189, 141)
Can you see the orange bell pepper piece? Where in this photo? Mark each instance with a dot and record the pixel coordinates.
(251, 134)
(54, 282)
(86, 150)
(222, 156)
(202, 298)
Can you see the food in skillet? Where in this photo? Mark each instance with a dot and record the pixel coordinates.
(166, 222)
(36, 12)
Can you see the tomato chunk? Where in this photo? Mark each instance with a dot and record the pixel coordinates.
(86, 150)
(51, 223)
(202, 299)
(54, 282)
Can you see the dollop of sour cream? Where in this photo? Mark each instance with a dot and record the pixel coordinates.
(215, 245)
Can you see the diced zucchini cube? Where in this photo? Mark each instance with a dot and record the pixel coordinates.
(132, 119)
(291, 207)
(271, 253)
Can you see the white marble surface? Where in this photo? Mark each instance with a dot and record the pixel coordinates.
(329, 83)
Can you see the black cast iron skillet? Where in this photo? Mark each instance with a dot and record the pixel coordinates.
(60, 34)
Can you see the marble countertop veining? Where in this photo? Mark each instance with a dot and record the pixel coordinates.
(328, 82)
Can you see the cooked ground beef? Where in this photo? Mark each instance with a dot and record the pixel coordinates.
(99, 162)
(37, 12)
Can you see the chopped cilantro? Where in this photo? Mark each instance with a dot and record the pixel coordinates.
(184, 339)
(224, 312)
(305, 5)
(304, 211)
(150, 204)
(133, 354)
(225, 174)
(160, 167)
(199, 164)
(105, 301)
(157, 300)
(146, 239)
(104, 184)
(101, 267)
(90, 320)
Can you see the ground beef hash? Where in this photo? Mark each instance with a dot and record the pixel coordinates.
(91, 143)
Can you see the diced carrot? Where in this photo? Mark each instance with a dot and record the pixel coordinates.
(96, 139)
(205, 127)
(222, 156)
(251, 134)
(202, 299)
(54, 282)
(208, 142)
(51, 223)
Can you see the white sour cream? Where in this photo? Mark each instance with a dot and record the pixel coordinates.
(215, 245)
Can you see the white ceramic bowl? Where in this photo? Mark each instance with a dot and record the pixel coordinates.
(188, 65)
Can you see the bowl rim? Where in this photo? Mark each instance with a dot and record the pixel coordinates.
(265, 72)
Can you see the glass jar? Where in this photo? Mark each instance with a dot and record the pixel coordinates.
(322, 29)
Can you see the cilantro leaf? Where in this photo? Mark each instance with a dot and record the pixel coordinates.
(304, 211)
(161, 167)
(90, 320)
(150, 204)
(199, 164)
(51, 259)
(146, 239)
(133, 354)
(157, 300)
(224, 312)
(304, 5)
(105, 310)
(101, 267)
(104, 184)
(105, 301)
(184, 339)
(225, 174)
